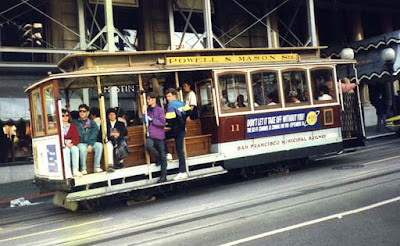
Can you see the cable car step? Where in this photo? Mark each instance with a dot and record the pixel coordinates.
(141, 184)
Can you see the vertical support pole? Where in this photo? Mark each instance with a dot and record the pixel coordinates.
(108, 13)
(269, 32)
(392, 94)
(82, 26)
(311, 23)
(208, 24)
(85, 95)
(113, 96)
(180, 97)
(142, 103)
(102, 107)
(171, 23)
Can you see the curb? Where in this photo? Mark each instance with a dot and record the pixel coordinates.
(380, 135)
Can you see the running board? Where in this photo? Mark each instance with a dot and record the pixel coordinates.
(142, 184)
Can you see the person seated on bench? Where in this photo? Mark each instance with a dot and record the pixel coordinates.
(71, 139)
(116, 133)
(88, 131)
(324, 93)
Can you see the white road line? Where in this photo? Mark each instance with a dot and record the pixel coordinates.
(53, 230)
(386, 159)
(311, 222)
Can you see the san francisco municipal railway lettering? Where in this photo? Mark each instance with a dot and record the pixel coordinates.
(230, 59)
(288, 141)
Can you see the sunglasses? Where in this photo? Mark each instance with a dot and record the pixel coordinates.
(82, 111)
(65, 115)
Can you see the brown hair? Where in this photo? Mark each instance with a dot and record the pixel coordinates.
(172, 91)
(152, 94)
(66, 111)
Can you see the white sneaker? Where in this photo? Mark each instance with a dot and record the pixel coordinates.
(98, 170)
(84, 172)
(169, 157)
(181, 176)
(77, 173)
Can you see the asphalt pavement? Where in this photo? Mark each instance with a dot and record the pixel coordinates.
(29, 191)
(342, 199)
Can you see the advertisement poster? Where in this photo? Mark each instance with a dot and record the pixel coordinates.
(282, 122)
(52, 158)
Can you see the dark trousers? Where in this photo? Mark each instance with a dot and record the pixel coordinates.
(381, 125)
(156, 147)
(179, 137)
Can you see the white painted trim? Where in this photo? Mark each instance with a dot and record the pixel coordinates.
(312, 222)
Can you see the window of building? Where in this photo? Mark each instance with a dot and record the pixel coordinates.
(295, 87)
(323, 85)
(233, 91)
(265, 89)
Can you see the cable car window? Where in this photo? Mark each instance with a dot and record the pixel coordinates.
(37, 114)
(323, 85)
(265, 89)
(295, 87)
(233, 91)
(204, 90)
(50, 109)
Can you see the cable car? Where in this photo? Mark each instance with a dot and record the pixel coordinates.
(255, 107)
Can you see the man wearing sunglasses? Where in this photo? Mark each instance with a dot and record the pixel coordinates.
(88, 131)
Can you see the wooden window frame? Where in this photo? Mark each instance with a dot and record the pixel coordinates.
(335, 86)
(55, 130)
(233, 110)
(35, 119)
(264, 107)
(293, 105)
(198, 96)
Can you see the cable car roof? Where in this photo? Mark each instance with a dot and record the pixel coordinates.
(123, 63)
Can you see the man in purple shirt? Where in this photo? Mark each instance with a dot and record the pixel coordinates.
(155, 141)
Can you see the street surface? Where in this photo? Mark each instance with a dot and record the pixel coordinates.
(347, 199)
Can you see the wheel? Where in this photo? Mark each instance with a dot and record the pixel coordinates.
(91, 205)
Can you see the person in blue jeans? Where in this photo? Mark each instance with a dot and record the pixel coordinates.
(88, 131)
(176, 119)
(155, 117)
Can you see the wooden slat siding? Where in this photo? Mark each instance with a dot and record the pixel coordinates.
(90, 162)
(193, 128)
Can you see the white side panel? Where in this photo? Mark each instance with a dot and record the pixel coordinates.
(286, 142)
(47, 157)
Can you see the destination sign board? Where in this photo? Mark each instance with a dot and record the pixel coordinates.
(202, 60)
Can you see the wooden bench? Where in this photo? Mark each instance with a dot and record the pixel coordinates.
(196, 143)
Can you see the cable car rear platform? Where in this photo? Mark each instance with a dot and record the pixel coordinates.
(128, 179)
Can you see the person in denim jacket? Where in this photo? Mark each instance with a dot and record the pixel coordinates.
(88, 131)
